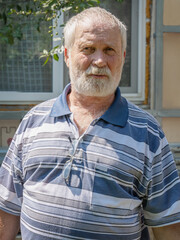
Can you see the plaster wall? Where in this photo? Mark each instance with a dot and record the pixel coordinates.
(171, 127)
(171, 71)
(171, 12)
(7, 131)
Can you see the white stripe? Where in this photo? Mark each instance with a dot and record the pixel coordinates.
(63, 191)
(117, 138)
(63, 207)
(113, 202)
(70, 218)
(9, 196)
(46, 127)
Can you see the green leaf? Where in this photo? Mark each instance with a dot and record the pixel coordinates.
(56, 57)
(56, 47)
(46, 60)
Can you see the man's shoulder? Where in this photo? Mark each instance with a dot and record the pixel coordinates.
(145, 127)
(141, 116)
(42, 108)
(37, 115)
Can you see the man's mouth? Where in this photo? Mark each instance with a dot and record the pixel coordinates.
(97, 75)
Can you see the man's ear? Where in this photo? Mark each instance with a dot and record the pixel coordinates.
(124, 56)
(66, 57)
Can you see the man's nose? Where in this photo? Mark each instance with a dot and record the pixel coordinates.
(99, 59)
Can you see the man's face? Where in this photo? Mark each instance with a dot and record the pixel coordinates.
(95, 60)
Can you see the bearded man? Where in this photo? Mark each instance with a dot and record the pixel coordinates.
(90, 164)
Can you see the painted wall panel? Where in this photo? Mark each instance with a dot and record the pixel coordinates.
(171, 12)
(7, 131)
(171, 71)
(171, 127)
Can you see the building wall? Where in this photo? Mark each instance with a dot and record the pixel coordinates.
(7, 130)
(171, 75)
(171, 69)
(171, 12)
(171, 84)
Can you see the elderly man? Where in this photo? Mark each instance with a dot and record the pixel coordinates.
(89, 164)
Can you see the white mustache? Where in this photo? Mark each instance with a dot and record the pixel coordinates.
(98, 71)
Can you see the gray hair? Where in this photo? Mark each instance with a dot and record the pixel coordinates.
(93, 13)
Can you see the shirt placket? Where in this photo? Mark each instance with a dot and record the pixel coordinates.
(75, 143)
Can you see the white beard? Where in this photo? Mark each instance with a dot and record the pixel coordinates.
(90, 86)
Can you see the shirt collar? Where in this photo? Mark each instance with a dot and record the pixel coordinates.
(116, 114)
(60, 106)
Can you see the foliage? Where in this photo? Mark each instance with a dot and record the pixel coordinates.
(14, 16)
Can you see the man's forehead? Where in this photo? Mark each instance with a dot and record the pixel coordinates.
(95, 23)
(92, 26)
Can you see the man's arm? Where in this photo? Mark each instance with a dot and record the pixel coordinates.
(9, 226)
(168, 232)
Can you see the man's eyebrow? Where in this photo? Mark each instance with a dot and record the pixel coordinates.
(84, 44)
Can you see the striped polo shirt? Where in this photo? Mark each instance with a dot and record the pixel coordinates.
(109, 183)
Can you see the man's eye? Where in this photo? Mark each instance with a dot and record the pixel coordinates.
(109, 51)
(88, 50)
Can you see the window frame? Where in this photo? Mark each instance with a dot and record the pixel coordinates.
(136, 92)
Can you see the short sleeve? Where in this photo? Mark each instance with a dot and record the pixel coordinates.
(162, 202)
(11, 180)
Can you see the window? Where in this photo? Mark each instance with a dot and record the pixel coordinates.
(22, 74)
(132, 13)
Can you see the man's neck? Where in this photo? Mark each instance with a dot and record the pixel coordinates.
(87, 108)
(92, 104)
